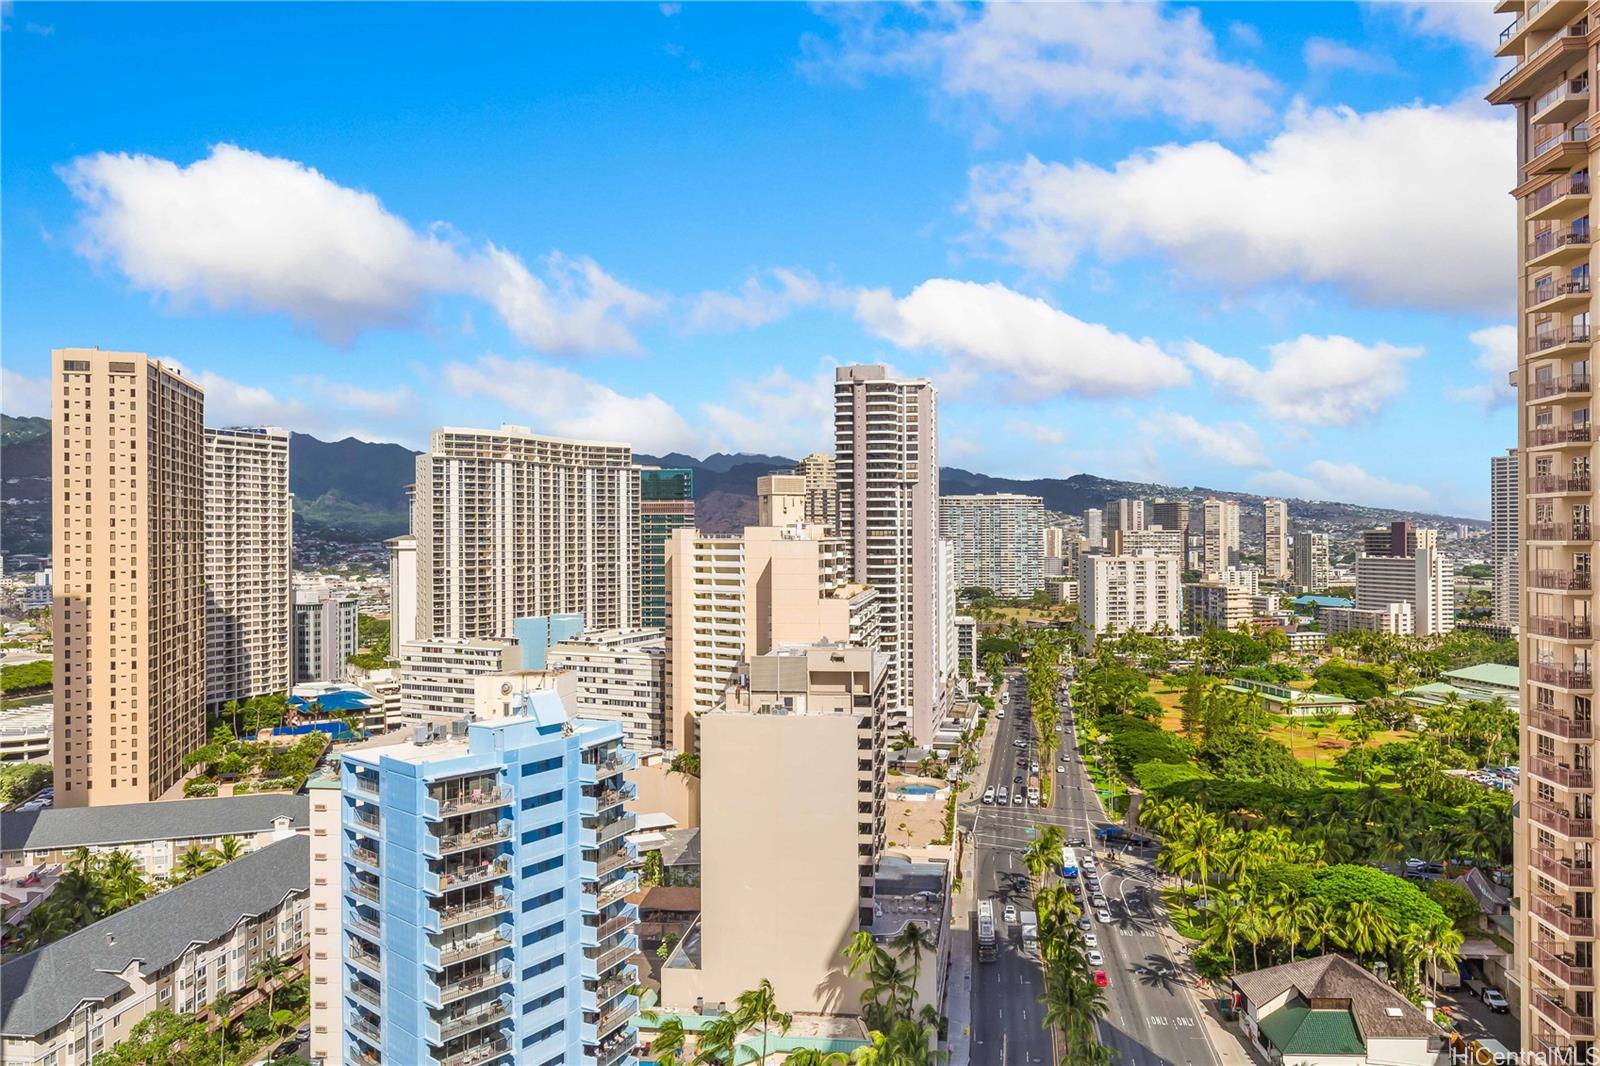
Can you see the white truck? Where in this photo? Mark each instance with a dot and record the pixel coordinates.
(1030, 932)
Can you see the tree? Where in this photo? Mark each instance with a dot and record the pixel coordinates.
(1369, 930)
(718, 1041)
(668, 1045)
(1044, 853)
(266, 973)
(1226, 925)
(194, 861)
(686, 763)
(758, 1007)
(121, 881)
(913, 940)
(228, 849)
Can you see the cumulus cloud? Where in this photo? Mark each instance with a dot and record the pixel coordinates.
(566, 404)
(1332, 199)
(775, 413)
(1472, 23)
(238, 229)
(760, 300)
(1344, 482)
(1496, 358)
(1234, 443)
(1040, 350)
(1018, 59)
(22, 395)
(1322, 381)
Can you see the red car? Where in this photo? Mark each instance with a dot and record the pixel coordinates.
(1101, 979)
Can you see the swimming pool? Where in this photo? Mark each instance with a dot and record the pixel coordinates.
(917, 790)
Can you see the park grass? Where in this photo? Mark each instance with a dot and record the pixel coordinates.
(1185, 917)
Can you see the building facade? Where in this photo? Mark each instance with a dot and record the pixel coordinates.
(1505, 536)
(998, 540)
(128, 539)
(1219, 535)
(1275, 538)
(1170, 514)
(402, 591)
(1122, 592)
(1425, 580)
(484, 888)
(1166, 543)
(1094, 528)
(249, 563)
(1216, 605)
(1313, 569)
(327, 631)
(438, 678)
(886, 433)
(1124, 515)
(822, 490)
(666, 502)
(1549, 87)
(510, 525)
(621, 675)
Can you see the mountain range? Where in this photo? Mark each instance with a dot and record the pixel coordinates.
(355, 491)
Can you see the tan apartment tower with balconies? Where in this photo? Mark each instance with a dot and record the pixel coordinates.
(1275, 538)
(128, 542)
(822, 490)
(1553, 969)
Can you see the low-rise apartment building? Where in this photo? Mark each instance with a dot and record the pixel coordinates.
(1216, 605)
(438, 677)
(620, 675)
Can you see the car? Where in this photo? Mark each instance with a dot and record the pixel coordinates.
(1102, 916)
(1077, 842)
(285, 1049)
(1095, 958)
(1001, 713)
(1099, 901)
(1061, 767)
(1034, 766)
(1017, 779)
(1010, 913)
(1016, 800)
(1084, 923)
(303, 1033)
(1087, 862)
(1019, 742)
(1101, 979)
(1494, 1000)
(988, 794)
(1091, 940)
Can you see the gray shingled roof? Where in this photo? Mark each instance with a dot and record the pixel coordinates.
(42, 988)
(123, 823)
(1336, 977)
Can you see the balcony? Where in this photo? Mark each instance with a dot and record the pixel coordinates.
(1560, 917)
(612, 829)
(606, 958)
(487, 1050)
(1559, 628)
(1560, 531)
(1564, 49)
(1563, 966)
(1553, 246)
(1561, 820)
(1561, 152)
(610, 927)
(475, 800)
(483, 835)
(367, 995)
(1554, 1012)
(465, 1022)
(368, 1029)
(1578, 677)
(1559, 868)
(611, 986)
(467, 876)
(616, 859)
(1558, 484)
(615, 890)
(453, 989)
(1565, 385)
(610, 1020)
(1559, 726)
(615, 1049)
(1558, 773)
(367, 823)
(599, 800)
(1551, 295)
(1567, 193)
(1556, 436)
(1558, 580)
(367, 926)
(367, 960)
(1567, 101)
(366, 784)
(466, 912)
(365, 856)
(365, 890)
(461, 951)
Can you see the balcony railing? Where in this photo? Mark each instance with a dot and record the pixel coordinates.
(478, 799)
(1559, 435)
(1574, 89)
(1560, 773)
(611, 926)
(608, 988)
(366, 821)
(464, 876)
(367, 1029)
(1544, 388)
(1563, 965)
(487, 834)
(369, 996)
(611, 1019)
(1571, 185)
(489, 1049)
(1560, 628)
(613, 1050)
(1561, 726)
(1575, 32)
(364, 855)
(466, 949)
(466, 912)
(1576, 135)
(1561, 821)
(1549, 290)
(608, 798)
(610, 956)
(1553, 240)
(462, 987)
(366, 925)
(1560, 580)
(365, 784)
(1577, 677)
(461, 1024)
(1564, 1019)
(612, 892)
(365, 958)
(1534, 10)
(617, 858)
(615, 827)
(1564, 870)
(1559, 483)
(365, 890)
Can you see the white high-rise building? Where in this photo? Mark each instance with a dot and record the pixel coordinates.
(1275, 538)
(1220, 535)
(619, 678)
(998, 540)
(327, 627)
(1425, 580)
(1055, 542)
(1167, 543)
(402, 592)
(947, 660)
(1125, 514)
(249, 563)
(1313, 571)
(886, 433)
(1122, 592)
(513, 525)
(1094, 528)
(1505, 536)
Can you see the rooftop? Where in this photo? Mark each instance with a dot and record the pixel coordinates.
(1376, 1010)
(1491, 675)
(127, 823)
(908, 890)
(42, 988)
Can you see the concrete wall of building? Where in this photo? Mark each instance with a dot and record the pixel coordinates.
(675, 795)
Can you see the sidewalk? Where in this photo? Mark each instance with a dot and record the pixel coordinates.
(958, 979)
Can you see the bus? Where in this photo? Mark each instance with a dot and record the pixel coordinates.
(988, 944)
(1069, 863)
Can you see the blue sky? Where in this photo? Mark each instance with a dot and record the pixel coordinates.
(1256, 246)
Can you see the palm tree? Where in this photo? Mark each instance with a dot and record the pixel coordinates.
(759, 1007)
(1369, 930)
(45, 923)
(122, 882)
(266, 973)
(227, 849)
(80, 898)
(194, 862)
(1044, 853)
(812, 1057)
(718, 1041)
(668, 1045)
(913, 940)
(83, 862)
(1433, 945)
(1226, 923)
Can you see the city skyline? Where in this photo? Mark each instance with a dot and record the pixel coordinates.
(508, 282)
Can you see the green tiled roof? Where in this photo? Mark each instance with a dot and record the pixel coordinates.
(1493, 674)
(1299, 1030)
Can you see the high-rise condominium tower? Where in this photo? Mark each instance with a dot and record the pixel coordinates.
(1170, 514)
(1275, 537)
(249, 539)
(1313, 571)
(886, 433)
(1220, 538)
(822, 491)
(128, 544)
(1094, 528)
(1550, 44)
(998, 541)
(666, 502)
(514, 525)
(1125, 514)
(1505, 536)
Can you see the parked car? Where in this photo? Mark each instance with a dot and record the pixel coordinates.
(1010, 913)
(1494, 1000)
(1095, 958)
(988, 794)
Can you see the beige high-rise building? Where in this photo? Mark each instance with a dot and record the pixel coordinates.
(128, 543)
(822, 490)
(886, 434)
(1425, 580)
(1170, 514)
(1313, 571)
(1275, 538)
(1551, 45)
(1125, 514)
(780, 499)
(793, 780)
(729, 598)
(1505, 536)
(1216, 605)
(402, 592)
(1122, 592)
(619, 678)
(510, 524)
(1219, 535)
(249, 546)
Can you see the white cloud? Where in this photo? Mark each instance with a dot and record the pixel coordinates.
(238, 229)
(953, 447)
(1472, 23)
(756, 303)
(1017, 59)
(1234, 443)
(1497, 357)
(1344, 483)
(1323, 55)
(775, 414)
(390, 403)
(1043, 351)
(566, 404)
(1333, 199)
(22, 395)
(1322, 381)
(1046, 436)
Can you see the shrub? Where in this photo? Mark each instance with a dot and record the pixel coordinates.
(199, 786)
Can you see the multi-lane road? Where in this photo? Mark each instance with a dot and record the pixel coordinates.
(1152, 1020)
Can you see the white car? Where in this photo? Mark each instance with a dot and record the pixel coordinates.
(1099, 901)
(1103, 916)
(1001, 713)
(1010, 913)
(1061, 767)
(1016, 800)
(1087, 862)
(988, 794)
(1003, 796)
(1091, 940)
(1096, 959)
(1035, 767)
